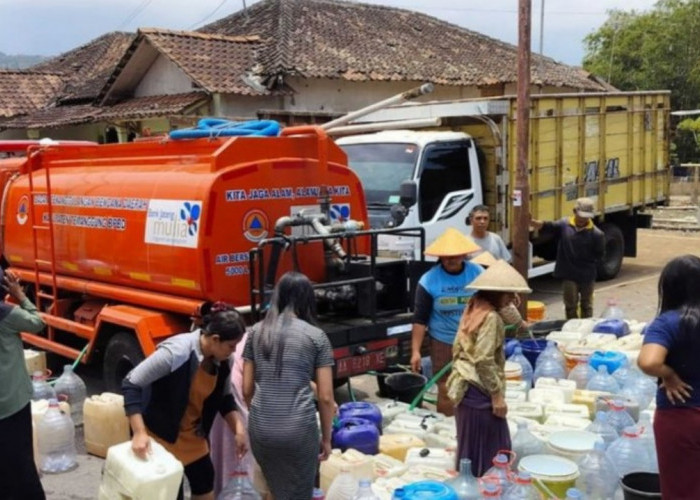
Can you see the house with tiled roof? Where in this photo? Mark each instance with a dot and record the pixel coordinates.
(307, 61)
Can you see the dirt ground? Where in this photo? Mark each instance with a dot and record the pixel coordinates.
(634, 289)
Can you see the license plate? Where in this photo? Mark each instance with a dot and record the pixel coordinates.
(346, 367)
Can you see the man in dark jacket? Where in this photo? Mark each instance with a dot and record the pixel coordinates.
(580, 245)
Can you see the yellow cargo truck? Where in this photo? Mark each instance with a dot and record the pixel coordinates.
(430, 163)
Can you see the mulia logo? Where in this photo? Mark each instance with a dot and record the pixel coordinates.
(190, 214)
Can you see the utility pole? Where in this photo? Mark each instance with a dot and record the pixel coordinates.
(521, 189)
(541, 26)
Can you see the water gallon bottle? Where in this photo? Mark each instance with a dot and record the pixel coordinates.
(597, 477)
(525, 443)
(551, 351)
(491, 491)
(623, 372)
(364, 491)
(612, 311)
(72, 387)
(40, 387)
(574, 494)
(519, 357)
(239, 487)
(465, 484)
(629, 454)
(602, 427)
(618, 417)
(642, 386)
(500, 472)
(581, 373)
(522, 488)
(603, 381)
(549, 367)
(56, 441)
(647, 435)
(344, 486)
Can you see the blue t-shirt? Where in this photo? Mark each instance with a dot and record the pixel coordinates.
(449, 298)
(682, 356)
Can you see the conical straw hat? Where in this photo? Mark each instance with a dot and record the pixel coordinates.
(485, 259)
(500, 277)
(452, 243)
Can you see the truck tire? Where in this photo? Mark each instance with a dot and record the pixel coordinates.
(614, 252)
(122, 354)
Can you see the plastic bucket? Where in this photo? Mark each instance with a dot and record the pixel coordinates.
(532, 349)
(513, 371)
(556, 473)
(542, 328)
(535, 311)
(641, 486)
(405, 386)
(384, 390)
(573, 355)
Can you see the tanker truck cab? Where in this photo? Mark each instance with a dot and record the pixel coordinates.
(428, 179)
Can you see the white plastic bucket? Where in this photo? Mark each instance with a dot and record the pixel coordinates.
(558, 474)
(572, 444)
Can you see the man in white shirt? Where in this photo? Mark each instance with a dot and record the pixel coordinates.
(479, 219)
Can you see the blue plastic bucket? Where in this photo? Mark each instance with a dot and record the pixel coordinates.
(532, 349)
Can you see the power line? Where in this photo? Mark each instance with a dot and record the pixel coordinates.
(192, 26)
(132, 15)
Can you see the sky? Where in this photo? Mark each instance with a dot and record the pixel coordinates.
(51, 27)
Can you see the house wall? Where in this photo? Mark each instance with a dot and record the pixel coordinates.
(163, 77)
(238, 106)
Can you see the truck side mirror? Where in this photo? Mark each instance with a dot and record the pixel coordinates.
(408, 193)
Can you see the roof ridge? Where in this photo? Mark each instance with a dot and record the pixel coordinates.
(203, 36)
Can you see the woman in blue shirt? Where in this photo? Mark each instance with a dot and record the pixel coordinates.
(670, 352)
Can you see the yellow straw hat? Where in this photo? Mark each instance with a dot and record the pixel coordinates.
(452, 243)
(500, 277)
(485, 259)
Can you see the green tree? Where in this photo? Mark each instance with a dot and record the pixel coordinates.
(659, 49)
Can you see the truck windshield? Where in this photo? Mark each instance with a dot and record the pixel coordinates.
(382, 168)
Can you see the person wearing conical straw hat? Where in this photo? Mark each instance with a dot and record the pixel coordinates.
(477, 382)
(440, 299)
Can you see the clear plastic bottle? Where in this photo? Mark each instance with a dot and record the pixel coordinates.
(619, 417)
(500, 472)
(56, 441)
(597, 476)
(551, 352)
(549, 367)
(465, 484)
(581, 373)
(491, 491)
(72, 387)
(647, 435)
(603, 381)
(344, 485)
(525, 443)
(644, 388)
(602, 427)
(364, 491)
(622, 373)
(527, 370)
(41, 388)
(239, 487)
(612, 311)
(574, 494)
(629, 453)
(522, 488)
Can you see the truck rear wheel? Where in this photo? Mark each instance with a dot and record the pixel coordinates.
(122, 354)
(610, 266)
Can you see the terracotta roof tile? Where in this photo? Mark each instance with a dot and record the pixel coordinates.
(355, 41)
(85, 69)
(216, 62)
(54, 117)
(160, 105)
(23, 92)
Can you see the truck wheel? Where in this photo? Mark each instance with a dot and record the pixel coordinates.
(122, 354)
(614, 252)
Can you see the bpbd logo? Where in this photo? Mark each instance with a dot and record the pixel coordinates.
(340, 212)
(189, 213)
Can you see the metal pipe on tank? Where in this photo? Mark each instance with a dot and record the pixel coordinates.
(426, 88)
